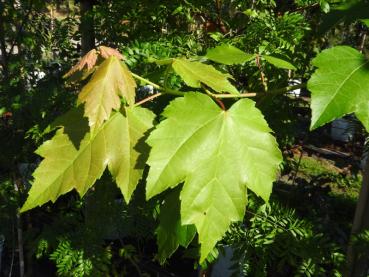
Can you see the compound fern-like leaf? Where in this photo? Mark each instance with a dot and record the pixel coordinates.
(228, 54)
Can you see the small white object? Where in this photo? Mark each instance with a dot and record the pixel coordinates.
(296, 92)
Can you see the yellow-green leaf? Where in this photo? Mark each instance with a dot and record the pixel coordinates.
(69, 164)
(128, 160)
(101, 94)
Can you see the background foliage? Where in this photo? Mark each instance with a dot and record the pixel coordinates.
(101, 234)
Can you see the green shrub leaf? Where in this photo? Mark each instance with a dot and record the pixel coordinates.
(278, 62)
(195, 73)
(228, 54)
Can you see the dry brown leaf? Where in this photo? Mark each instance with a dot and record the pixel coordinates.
(88, 61)
(101, 94)
(107, 52)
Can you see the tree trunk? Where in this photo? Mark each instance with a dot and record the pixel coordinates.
(87, 26)
(2, 242)
(4, 54)
(20, 245)
(18, 188)
(358, 266)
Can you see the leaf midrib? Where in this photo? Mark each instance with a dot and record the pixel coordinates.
(215, 177)
(105, 83)
(182, 144)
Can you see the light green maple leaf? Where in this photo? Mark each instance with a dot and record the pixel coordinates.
(170, 232)
(217, 154)
(196, 73)
(101, 94)
(66, 166)
(228, 54)
(339, 86)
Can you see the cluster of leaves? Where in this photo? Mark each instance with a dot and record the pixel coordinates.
(69, 261)
(35, 49)
(275, 239)
(72, 261)
(361, 242)
(99, 235)
(207, 143)
(8, 206)
(205, 154)
(217, 151)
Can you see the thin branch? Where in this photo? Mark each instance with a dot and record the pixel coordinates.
(135, 266)
(241, 95)
(262, 75)
(147, 99)
(164, 90)
(305, 8)
(362, 43)
(213, 95)
(18, 187)
(297, 168)
(20, 244)
(13, 249)
(286, 89)
(19, 32)
(220, 103)
(145, 81)
(253, 94)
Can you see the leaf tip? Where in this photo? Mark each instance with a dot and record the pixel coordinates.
(107, 52)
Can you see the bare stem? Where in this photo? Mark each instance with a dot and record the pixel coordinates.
(145, 81)
(253, 94)
(362, 44)
(147, 99)
(286, 89)
(165, 90)
(262, 75)
(241, 95)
